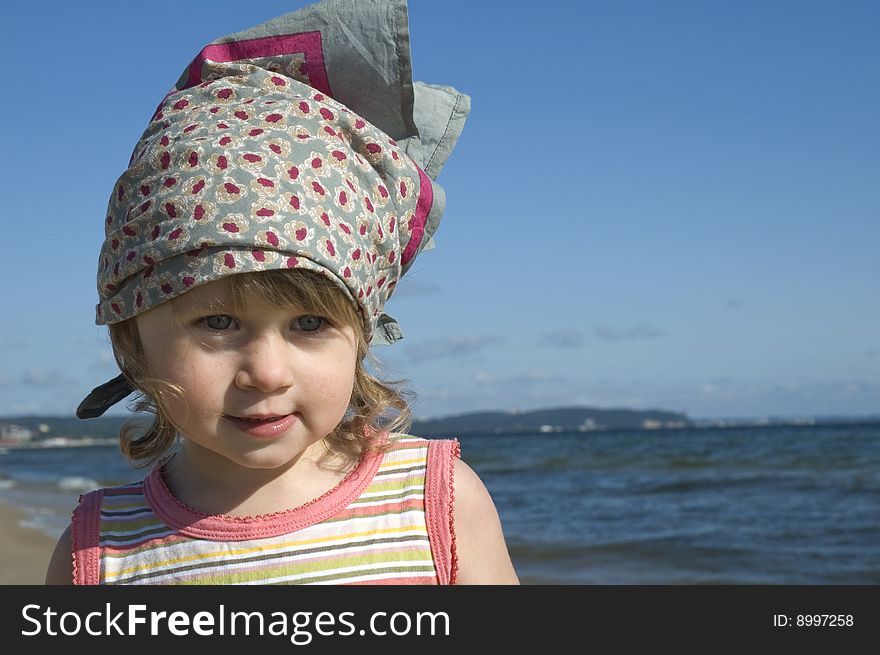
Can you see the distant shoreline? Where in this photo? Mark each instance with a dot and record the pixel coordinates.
(79, 442)
(57, 442)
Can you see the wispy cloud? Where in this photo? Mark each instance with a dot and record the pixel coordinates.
(18, 409)
(641, 331)
(529, 378)
(414, 287)
(43, 379)
(791, 397)
(451, 347)
(103, 361)
(564, 338)
(14, 342)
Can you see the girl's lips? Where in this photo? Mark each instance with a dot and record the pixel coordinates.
(263, 427)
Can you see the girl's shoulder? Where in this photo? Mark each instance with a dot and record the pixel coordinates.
(462, 514)
(60, 569)
(481, 552)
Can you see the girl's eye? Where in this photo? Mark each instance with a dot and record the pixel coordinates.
(218, 322)
(309, 323)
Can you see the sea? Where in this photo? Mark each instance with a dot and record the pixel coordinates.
(792, 505)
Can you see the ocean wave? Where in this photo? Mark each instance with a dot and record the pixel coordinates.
(77, 483)
(46, 521)
(707, 483)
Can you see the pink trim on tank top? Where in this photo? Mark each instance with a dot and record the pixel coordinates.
(84, 536)
(439, 506)
(219, 527)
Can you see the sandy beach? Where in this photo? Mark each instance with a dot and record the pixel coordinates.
(24, 552)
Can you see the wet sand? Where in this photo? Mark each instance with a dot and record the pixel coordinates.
(24, 552)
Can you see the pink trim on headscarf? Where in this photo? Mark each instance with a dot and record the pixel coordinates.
(84, 538)
(308, 43)
(423, 208)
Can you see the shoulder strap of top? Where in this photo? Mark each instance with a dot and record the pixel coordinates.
(439, 499)
(85, 535)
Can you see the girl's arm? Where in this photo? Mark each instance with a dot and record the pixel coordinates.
(60, 569)
(482, 553)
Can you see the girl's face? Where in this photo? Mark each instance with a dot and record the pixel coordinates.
(260, 384)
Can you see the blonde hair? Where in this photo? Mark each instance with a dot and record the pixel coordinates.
(375, 405)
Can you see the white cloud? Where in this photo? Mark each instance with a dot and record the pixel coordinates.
(451, 347)
(640, 331)
(41, 378)
(565, 338)
(413, 287)
(103, 361)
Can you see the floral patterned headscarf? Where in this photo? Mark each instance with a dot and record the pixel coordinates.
(300, 143)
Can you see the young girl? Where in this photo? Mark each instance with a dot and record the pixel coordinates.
(251, 246)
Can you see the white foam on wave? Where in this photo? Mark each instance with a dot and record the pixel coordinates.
(77, 483)
(44, 520)
(7, 484)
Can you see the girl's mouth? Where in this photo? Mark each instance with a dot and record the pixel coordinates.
(263, 427)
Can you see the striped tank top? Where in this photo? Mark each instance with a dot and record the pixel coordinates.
(388, 522)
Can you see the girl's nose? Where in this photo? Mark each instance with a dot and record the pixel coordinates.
(265, 364)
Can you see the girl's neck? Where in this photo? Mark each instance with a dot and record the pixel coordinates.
(232, 490)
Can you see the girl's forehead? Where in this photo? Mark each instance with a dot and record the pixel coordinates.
(217, 296)
(220, 296)
(216, 293)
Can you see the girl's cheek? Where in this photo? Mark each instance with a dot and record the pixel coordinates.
(203, 367)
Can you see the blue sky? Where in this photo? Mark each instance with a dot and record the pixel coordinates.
(666, 205)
